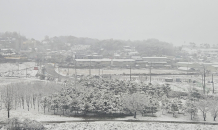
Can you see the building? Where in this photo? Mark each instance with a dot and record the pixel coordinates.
(105, 62)
(155, 61)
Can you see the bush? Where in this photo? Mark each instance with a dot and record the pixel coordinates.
(174, 94)
(13, 124)
(32, 125)
(42, 77)
(27, 124)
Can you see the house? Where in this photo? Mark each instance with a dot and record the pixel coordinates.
(105, 62)
(138, 58)
(186, 69)
(155, 61)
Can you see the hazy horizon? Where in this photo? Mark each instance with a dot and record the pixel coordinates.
(176, 22)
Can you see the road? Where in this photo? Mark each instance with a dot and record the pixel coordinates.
(50, 70)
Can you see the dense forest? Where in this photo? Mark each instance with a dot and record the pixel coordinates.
(149, 47)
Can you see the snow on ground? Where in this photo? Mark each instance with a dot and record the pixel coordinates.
(183, 86)
(64, 71)
(33, 115)
(128, 126)
(9, 80)
(18, 70)
(14, 66)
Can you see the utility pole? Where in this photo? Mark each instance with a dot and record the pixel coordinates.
(187, 69)
(68, 70)
(8, 103)
(12, 72)
(150, 71)
(26, 72)
(40, 64)
(58, 72)
(212, 83)
(90, 68)
(75, 73)
(130, 73)
(204, 81)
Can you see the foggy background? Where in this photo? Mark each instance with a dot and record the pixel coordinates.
(176, 22)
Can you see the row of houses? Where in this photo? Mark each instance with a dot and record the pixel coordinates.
(198, 66)
(143, 62)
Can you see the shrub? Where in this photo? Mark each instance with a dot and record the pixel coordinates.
(174, 94)
(27, 124)
(13, 124)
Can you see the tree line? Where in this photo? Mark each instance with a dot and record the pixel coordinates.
(104, 97)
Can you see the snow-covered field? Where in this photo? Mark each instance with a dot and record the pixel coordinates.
(9, 80)
(128, 126)
(109, 125)
(176, 86)
(40, 116)
(64, 71)
(14, 66)
(33, 115)
(19, 70)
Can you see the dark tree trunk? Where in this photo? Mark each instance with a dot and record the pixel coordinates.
(204, 114)
(134, 114)
(15, 105)
(8, 113)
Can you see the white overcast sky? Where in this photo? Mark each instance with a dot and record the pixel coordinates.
(173, 21)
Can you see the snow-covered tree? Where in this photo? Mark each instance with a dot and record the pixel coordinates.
(136, 102)
(164, 103)
(191, 108)
(203, 106)
(44, 102)
(213, 108)
(8, 98)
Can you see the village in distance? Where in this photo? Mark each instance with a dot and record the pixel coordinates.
(73, 82)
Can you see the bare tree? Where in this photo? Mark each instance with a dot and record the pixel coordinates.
(203, 106)
(8, 98)
(39, 96)
(34, 100)
(135, 102)
(44, 103)
(28, 99)
(214, 108)
(22, 100)
(191, 108)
